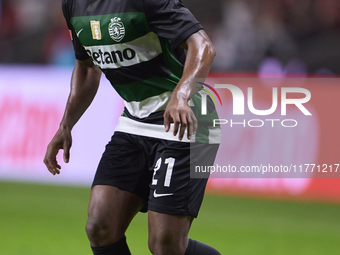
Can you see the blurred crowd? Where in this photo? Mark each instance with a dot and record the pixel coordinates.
(291, 36)
(34, 31)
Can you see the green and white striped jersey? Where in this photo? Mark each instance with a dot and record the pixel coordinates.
(136, 45)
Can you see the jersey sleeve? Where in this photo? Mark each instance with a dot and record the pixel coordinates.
(79, 50)
(171, 19)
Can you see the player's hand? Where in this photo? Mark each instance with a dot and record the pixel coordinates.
(61, 140)
(183, 117)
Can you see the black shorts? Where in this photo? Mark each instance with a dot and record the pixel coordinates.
(157, 170)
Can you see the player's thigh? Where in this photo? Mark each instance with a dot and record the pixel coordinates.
(109, 214)
(113, 208)
(119, 190)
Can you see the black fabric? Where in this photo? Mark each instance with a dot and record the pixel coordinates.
(129, 163)
(124, 165)
(102, 7)
(198, 248)
(79, 50)
(167, 18)
(170, 19)
(118, 248)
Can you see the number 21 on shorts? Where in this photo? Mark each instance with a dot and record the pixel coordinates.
(168, 174)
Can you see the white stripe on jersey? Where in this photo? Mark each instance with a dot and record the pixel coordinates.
(130, 126)
(130, 53)
(146, 107)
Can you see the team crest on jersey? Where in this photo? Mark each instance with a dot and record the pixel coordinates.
(116, 29)
(95, 28)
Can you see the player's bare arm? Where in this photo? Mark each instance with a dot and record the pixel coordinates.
(84, 86)
(200, 55)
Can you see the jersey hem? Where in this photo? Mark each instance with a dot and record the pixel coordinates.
(130, 126)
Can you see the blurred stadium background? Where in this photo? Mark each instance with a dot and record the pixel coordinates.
(42, 214)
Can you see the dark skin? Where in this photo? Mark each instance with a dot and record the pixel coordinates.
(84, 86)
(111, 210)
(197, 65)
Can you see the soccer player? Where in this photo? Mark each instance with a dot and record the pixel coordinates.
(140, 47)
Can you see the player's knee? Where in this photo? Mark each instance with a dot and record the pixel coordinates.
(95, 228)
(98, 230)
